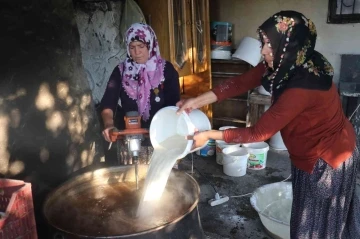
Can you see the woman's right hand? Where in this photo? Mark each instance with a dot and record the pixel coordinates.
(106, 133)
(186, 105)
(190, 104)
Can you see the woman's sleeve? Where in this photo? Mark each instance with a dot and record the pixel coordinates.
(290, 104)
(238, 85)
(112, 91)
(171, 85)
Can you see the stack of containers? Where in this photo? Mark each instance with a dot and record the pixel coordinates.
(221, 40)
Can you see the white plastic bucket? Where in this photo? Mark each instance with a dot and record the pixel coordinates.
(276, 142)
(167, 123)
(235, 161)
(257, 155)
(249, 50)
(220, 145)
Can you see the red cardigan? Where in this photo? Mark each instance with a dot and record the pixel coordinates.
(312, 122)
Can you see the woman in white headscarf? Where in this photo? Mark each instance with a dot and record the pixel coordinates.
(144, 82)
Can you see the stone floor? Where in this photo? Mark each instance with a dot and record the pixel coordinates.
(235, 218)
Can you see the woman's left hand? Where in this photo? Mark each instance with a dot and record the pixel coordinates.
(200, 138)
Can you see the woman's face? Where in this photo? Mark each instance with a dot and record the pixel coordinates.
(268, 55)
(139, 52)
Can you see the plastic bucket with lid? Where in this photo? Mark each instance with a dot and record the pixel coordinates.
(257, 154)
(221, 144)
(235, 161)
(208, 150)
(167, 123)
(221, 36)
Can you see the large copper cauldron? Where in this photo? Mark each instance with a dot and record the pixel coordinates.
(103, 204)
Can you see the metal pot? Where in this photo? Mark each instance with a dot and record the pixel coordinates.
(74, 210)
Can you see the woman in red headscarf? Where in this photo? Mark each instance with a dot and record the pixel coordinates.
(307, 109)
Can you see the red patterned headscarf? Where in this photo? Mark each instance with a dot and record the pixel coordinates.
(296, 64)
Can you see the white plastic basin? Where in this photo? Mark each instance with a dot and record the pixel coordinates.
(273, 203)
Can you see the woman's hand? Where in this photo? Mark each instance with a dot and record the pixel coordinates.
(190, 104)
(200, 138)
(106, 133)
(186, 105)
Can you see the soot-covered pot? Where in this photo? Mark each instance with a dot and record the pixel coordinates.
(103, 204)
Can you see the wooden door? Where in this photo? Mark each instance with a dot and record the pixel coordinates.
(171, 21)
(180, 36)
(158, 19)
(200, 35)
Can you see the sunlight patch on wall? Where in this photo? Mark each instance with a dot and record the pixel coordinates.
(4, 154)
(85, 101)
(44, 155)
(16, 168)
(55, 122)
(75, 126)
(69, 100)
(62, 89)
(87, 156)
(84, 156)
(19, 93)
(44, 100)
(15, 118)
(72, 155)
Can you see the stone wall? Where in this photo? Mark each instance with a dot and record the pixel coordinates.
(48, 126)
(100, 41)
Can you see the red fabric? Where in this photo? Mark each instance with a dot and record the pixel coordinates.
(312, 125)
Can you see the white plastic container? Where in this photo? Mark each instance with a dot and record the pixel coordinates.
(249, 50)
(262, 91)
(273, 203)
(220, 54)
(276, 142)
(257, 155)
(208, 150)
(235, 161)
(220, 145)
(167, 123)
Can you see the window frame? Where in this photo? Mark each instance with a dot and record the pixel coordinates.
(334, 18)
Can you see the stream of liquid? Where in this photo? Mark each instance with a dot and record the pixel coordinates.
(161, 163)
